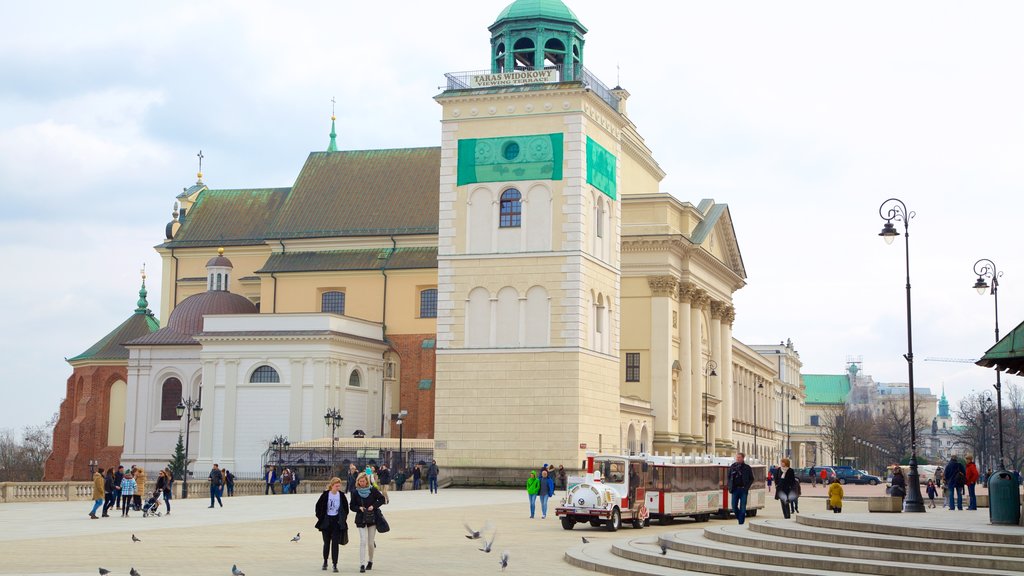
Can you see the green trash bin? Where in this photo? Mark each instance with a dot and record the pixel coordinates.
(1003, 498)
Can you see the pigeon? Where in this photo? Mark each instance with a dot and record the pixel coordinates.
(487, 545)
(104, 571)
(134, 572)
(236, 571)
(585, 541)
(135, 538)
(504, 560)
(474, 534)
(297, 536)
(664, 549)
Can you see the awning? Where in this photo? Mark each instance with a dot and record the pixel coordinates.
(1008, 354)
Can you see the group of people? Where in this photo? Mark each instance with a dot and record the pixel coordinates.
(542, 486)
(363, 500)
(419, 472)
(123, 490)
(289, 481)
(740, 479)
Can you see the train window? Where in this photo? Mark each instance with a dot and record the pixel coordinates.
(654, 476)
(613, 471)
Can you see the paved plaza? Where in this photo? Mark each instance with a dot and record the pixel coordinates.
(254, 532)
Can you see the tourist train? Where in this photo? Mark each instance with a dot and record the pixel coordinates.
(634, 489)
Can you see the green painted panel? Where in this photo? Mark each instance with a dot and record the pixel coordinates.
(601, 165)
(530, 157)
(426, 384)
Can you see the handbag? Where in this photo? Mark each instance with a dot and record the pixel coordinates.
(382, 524)
(370, 517)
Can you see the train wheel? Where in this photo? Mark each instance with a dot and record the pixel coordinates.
(568, 523)
(615, 522)
(637, 523)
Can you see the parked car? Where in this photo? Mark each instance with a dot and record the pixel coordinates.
(804, 475)
(851, 476)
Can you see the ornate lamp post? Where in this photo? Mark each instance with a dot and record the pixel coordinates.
(92, 467)
(896, 209)
(191, 410)
(760, 386)
(985, 268)
(402, 414)
(333, 419)
(709, 370)
(279, 443)
(789, 428)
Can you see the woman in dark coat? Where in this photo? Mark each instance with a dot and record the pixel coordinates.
(332, 520)
(366, 500)
(785, 487)
(899, 483)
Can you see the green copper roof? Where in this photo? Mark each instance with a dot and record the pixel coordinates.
(826, 388)
(1007, 354)
(110, 346)
(230, 217)
(338, 260)
(523, 9)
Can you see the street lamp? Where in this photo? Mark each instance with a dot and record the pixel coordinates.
(895, 209)
(985, 268)
(760, 386)
(401, 455)
(709, 370)
(92, 467)
(986, 404)
(789, 428)
(279, 443)
(191, 410)
(333, 419)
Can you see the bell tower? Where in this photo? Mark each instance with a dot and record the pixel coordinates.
(528, 251)
(537, 35)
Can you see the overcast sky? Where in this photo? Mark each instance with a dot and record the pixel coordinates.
(802, 116)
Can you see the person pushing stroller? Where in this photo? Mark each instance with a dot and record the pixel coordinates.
(152, 505)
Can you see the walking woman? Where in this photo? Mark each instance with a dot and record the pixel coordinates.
(547, 490)
(785, 487)
(332, 520)
(366, 500)
(163, 484)
(127, 493)
(532, 490)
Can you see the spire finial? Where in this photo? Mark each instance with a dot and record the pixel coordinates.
(333, 145)
(199, 174)
(142, 306)
(220, 251)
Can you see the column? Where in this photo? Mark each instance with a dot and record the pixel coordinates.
(230, 404)
(686, 386)
(320, 405)
(209, 420)
(718, 384)
(295, 415)
(728, 388)
(698, 301)
(663, 290)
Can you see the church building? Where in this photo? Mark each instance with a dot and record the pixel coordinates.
(524, 291)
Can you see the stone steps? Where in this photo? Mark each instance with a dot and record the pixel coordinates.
(817, 545)
(797, 531)
(697, 544)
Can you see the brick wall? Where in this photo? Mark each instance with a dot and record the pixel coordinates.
(416, 365)
(81, 431)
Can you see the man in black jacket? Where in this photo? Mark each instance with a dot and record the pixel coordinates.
(739, 480)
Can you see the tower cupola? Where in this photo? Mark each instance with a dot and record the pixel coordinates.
(218, 272)
(538, 35)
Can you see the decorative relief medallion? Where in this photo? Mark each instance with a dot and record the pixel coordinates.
(473, 112)
(662, 285)
(492, 110)
(565, 105)
(547, 106)
(456, 112)
(510, 109)
(529, 107)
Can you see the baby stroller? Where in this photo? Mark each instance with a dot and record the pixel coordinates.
(152, 505)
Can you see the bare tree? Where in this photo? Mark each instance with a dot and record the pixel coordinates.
(978, 432)
(892, 425)
(22, 460)
(840, 424)
(1013, 425)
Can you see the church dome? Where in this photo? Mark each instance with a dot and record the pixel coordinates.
(550, 9)
(187, 317)
(219, 261)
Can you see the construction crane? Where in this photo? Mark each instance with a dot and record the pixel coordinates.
(955, 360)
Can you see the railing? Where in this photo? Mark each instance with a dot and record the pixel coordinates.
(44, 491)
(464, 80)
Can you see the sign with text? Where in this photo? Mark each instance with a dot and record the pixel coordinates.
(512, 78)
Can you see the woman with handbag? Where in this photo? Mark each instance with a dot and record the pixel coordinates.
(332, 520)
(785, 487)
(366, 500)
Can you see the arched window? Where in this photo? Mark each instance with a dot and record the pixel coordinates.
(499, 57)
(333, 302)
(354, 380)
(511, 209)
(524, 53)
(554, 53)
(218, 281)
(264, 375)
(170, 395)
(428, 303)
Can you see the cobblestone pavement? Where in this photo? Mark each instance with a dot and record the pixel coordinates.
(58, 538)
